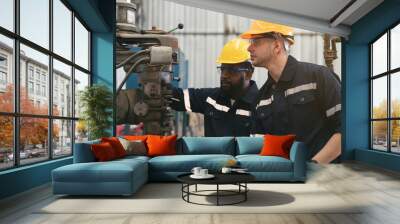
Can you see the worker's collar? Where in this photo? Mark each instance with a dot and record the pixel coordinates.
(288, 72)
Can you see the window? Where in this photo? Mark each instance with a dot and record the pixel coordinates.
(62, 140)
(3, 78)
(38, 89)
(44, 91)
(6, 89)
(3, 72)
(37, 74)
(385, 94)
(81, 45)
(35, 21)
(7, 14)
(62, 75)
(62, 29)
(3, 61)
(46, 131)
(30, 87)
(30, 72)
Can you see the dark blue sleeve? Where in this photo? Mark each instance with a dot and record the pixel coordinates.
(190, 100)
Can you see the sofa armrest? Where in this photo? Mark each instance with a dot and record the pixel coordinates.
(83, 152)
(298, 155)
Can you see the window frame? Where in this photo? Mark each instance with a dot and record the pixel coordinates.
(16, 114)
(388, 74)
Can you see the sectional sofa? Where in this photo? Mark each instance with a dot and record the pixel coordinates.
(125, 176)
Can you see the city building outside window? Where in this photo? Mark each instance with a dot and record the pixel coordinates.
(56, 128)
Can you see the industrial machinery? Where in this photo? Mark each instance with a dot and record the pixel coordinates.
(148, 58)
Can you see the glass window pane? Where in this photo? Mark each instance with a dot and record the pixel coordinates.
(395, 94)
(81, 45)
(6, 74)
(379, 55)
(62, 89)
(81, 81)
(7, 14)
(33, 139)
(379, 135)
(35, 21)
(62, 29)
(395, 136)
(34, 81)
(62, 138)
(6, 142)
(81, 131)
(395, 47)
(379, 97)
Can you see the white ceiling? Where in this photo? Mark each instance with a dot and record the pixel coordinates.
(313, 15)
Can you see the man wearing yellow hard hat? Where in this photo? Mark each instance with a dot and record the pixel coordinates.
(298, 98)
(227, 109)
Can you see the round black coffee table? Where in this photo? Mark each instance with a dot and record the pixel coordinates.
(238, 179)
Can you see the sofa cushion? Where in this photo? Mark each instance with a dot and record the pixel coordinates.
(161, 145)
(185, 163)
(116, 145)
(103, 152)
(207, 145)
(249, 145)
(135, 147)
(277, 145)
(257, 163)
(112, 171)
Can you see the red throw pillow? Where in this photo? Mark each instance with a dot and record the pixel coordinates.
(116, 145)
(161, 145)
(277, 145)
(135, 137)
(103, 151)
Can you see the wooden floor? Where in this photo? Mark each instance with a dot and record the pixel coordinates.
(378, 188)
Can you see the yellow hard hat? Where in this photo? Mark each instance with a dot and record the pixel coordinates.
(259, 27)
(235, 51)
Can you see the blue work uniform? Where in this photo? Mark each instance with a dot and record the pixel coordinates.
(306, 101)
(221, 117)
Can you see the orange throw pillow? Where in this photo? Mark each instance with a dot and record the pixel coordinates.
(103, 152)
(277, 145)
(135, 137)
(116, 145)
(161, 145)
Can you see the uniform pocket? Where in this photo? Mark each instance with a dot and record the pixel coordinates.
(299, 99)
(304, 111)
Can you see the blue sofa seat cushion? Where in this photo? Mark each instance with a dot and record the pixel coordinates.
(184, 163)
(112, 171)
(206, 145)
(257, 163)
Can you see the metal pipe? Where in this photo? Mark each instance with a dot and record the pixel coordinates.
(132, 56)
(137, 63)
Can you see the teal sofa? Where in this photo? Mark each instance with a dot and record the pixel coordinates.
(125, 176)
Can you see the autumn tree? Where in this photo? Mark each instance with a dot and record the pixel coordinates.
(33, 131)
(380, 127)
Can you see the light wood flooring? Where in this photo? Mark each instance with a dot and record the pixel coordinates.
(379, 188)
